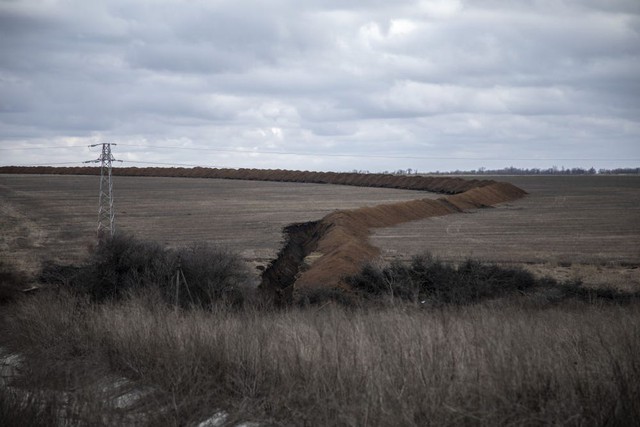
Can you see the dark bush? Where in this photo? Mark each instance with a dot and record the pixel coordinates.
(124, 265)
(57, 274)
(12, 282)
(476, 281)
(121, 265)
(212, 275)
(576, 290)
(370, 281)
(427, 279)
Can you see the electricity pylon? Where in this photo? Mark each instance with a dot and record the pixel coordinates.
(106, 214)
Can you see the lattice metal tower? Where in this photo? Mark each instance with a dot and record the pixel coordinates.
(106, 214)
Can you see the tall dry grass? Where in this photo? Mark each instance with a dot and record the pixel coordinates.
(488, 364)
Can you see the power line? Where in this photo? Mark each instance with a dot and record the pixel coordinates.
(170, 164)
(49, 147)
(316, 154)
(379, 156)
(26, 165)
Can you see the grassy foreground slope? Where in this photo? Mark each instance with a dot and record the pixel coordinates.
(512, 362)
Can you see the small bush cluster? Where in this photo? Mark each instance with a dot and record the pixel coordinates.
(431, 281)
(12, 282)
(200, 275)
(427, 279)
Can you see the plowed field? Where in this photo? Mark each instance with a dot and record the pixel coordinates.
(54, 216)
(585, 227)
(567, 227)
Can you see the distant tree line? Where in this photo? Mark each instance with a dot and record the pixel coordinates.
(511, 170)
(554, 170)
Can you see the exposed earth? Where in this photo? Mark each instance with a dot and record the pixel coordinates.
(568, 227)
(585, 227)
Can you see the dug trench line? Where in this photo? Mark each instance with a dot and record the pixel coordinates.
(445, 185)
(341, 244)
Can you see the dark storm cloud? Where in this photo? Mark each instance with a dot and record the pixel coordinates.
(529, 79)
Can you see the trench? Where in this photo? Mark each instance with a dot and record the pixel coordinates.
(342, 239)
(278, 279)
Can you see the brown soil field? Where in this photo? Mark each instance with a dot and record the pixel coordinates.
(568, 227)
(53, 217)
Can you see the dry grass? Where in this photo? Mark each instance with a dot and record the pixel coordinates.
(489, 364)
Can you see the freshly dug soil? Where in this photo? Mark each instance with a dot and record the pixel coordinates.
(344, 242)
(445, 185)
(340, 240)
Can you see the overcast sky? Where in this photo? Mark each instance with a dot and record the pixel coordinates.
(322, 85)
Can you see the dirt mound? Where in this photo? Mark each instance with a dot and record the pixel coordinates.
(489, 195)
(342, 237)
(445, 185)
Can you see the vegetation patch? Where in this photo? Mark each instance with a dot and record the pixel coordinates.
(441, 353)
(427, 280)
(396, 365)
(200, 275)
(12, 282)
(16, 411)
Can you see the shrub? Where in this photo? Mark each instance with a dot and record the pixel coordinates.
(56, 274)
(427, 279)
(212, 275)
(12, 282)
(124, 265)
(121, 265)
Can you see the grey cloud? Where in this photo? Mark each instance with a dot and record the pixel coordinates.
(445, 77)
